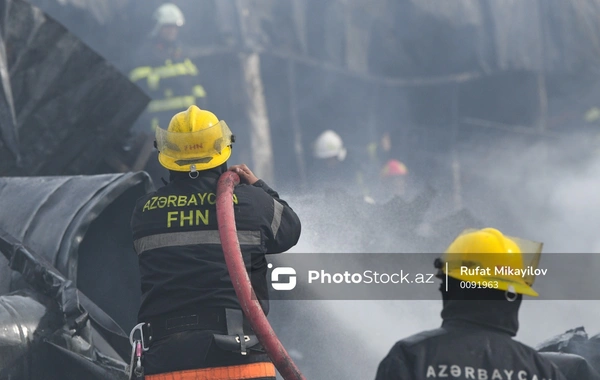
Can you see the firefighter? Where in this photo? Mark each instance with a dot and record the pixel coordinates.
(392, 179)
(336, 178)
(330, 148)
(481, 300)
(329, 171)
(334, 172)
(401, 208)
(168, 76)
(189, 308)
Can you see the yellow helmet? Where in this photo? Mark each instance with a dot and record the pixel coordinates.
(488, 256)
(195, 140)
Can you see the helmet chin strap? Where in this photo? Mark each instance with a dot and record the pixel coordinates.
(193, 172)
(511, 295)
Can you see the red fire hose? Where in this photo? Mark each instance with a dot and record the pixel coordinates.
(241, 282)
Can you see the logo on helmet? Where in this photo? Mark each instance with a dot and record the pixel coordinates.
(193, 147)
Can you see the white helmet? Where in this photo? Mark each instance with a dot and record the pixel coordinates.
(167, 14)
(328, 145)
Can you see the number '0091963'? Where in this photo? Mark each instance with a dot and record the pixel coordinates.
(479, 284)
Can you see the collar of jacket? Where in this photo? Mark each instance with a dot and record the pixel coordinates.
(498, 315)
(210, 173)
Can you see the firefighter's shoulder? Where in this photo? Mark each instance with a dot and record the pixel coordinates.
(252, 194)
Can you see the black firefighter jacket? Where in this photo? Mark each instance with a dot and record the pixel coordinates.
(180, 256)
(475, 342)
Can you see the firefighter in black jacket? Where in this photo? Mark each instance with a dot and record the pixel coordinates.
(189, 305)
(480, 316)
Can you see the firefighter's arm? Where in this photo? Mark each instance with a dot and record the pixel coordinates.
(393, 367)
(282, 226)
(285, 227)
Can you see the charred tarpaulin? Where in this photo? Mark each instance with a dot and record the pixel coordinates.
(61, 104)
(574, 352)
(67, 294)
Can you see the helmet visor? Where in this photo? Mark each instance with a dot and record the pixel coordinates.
(199, 147)
(531, 252)
(530, 255)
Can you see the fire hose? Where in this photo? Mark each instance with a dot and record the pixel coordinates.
(241, 281)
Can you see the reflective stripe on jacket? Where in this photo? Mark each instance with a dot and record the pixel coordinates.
(180, 255)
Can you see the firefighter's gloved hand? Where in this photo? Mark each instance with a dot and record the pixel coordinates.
(246, 175)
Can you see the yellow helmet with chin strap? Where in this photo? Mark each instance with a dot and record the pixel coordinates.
(484, 256)
(195, 140)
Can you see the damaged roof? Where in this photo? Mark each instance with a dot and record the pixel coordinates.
(398, 38)
(429, 37)
(61, 103)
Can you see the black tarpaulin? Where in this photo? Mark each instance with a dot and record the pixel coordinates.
(69, 102)
(81, 226)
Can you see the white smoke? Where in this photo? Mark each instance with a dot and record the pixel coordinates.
(546, 193)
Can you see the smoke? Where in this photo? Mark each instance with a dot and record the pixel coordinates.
(551, 191)
(548, 188)
(545, 191)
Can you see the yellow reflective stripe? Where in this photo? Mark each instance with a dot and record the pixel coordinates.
(178, 102)
(140, 73)
(154, 124)
(199, 91)
(170, 70)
